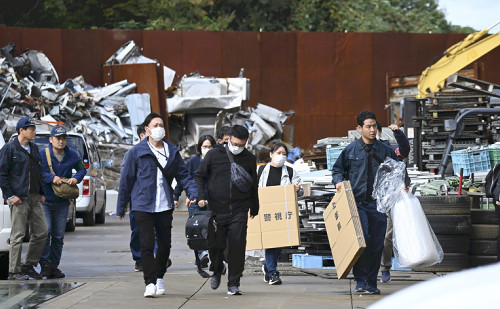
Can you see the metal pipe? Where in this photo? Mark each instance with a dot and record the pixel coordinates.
(462, 114)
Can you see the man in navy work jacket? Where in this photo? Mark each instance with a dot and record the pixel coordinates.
(360, 167)
(146, 180)
(64, 160)
(21, 183)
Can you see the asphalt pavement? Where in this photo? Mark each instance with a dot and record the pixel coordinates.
(100, 274)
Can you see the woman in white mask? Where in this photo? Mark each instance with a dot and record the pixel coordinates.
(276, 173)
(205, 144)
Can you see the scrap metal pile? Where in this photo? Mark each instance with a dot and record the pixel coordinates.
(29, 86)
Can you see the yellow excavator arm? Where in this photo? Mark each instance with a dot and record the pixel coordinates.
(455, 58)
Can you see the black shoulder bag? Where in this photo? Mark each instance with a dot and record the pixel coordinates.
(240, 178)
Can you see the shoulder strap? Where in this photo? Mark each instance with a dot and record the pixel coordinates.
(259, 171)
(290, 173)
(229, 154)
(369, 151)
(28, 154)
(49, 159)
(159, 166)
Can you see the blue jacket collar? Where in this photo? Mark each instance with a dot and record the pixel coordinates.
(143, 148)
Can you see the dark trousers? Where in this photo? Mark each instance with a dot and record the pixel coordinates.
(135, 242)
(231, 233)
(148, 223)
(374, 225)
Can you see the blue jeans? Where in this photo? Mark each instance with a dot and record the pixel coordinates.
(191, 210)
(374, 225)
(271, 262)
(56, 216)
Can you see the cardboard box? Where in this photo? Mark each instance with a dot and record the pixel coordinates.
(344, 230)
(277, 224)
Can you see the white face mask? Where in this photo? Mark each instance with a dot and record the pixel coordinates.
(279, 160)
(235, 150)
(204, 151)
(157, 133)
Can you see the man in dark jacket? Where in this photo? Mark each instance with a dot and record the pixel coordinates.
(229, 203)
(21, 183)
(63, 161)
(360, 167)
(146, 181)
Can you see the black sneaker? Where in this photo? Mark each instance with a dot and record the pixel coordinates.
(138, 266)
(46, 271)
(266, 276)
(371, 290)
(18, 276)
(215, 281)
(204, 261)
(30, 271)
(233, 290)
(360, 287)
(275, 279)
(57, 273)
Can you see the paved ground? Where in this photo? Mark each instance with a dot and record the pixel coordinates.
(99, 259)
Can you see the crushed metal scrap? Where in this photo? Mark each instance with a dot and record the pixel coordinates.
(29, 85)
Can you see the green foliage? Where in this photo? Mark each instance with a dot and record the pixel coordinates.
(239, 15)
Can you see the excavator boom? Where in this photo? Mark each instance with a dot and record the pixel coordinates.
(455, 58)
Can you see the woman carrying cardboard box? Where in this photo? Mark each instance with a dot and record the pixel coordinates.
(276, 173)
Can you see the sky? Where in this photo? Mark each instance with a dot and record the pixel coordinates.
(478, 14)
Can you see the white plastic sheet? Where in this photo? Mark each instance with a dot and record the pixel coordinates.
(415, 244)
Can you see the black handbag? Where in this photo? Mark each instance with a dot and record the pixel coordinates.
(201, 228)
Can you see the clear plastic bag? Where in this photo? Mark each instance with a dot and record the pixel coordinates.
(415, 244)
(389, 183)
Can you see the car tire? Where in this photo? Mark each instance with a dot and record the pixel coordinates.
(450, 262)
(484, 231)
(100, 217)
(445, 205)
(71, 225)
(450, 224)
(89, 217)
(4, 266)
(483, 247)
(454, 243)
(483, 216)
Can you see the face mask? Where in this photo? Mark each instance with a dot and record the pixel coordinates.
(279, 160)
(157, 133)
(235, 150)
(204, 151)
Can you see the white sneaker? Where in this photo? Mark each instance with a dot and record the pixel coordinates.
(150, 290)
(160, 289)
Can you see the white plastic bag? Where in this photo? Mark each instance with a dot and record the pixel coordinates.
(389, 181)
(415, 244)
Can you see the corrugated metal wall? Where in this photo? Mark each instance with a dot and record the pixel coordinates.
(327, 78)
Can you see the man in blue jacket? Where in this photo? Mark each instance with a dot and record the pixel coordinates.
(21, 183)
(146, 180)
(358, 163)
(63, 161)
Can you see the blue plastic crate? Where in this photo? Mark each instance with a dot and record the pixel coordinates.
(471, 161)
(332, 153)
(312, 261)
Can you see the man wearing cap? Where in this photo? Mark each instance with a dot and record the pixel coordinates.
(21, 183)
(63, 160)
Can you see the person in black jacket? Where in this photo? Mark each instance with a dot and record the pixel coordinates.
(21, 183)
(230, 204)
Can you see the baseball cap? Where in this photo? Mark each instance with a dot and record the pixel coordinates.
(24, 123)
(58, 131)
